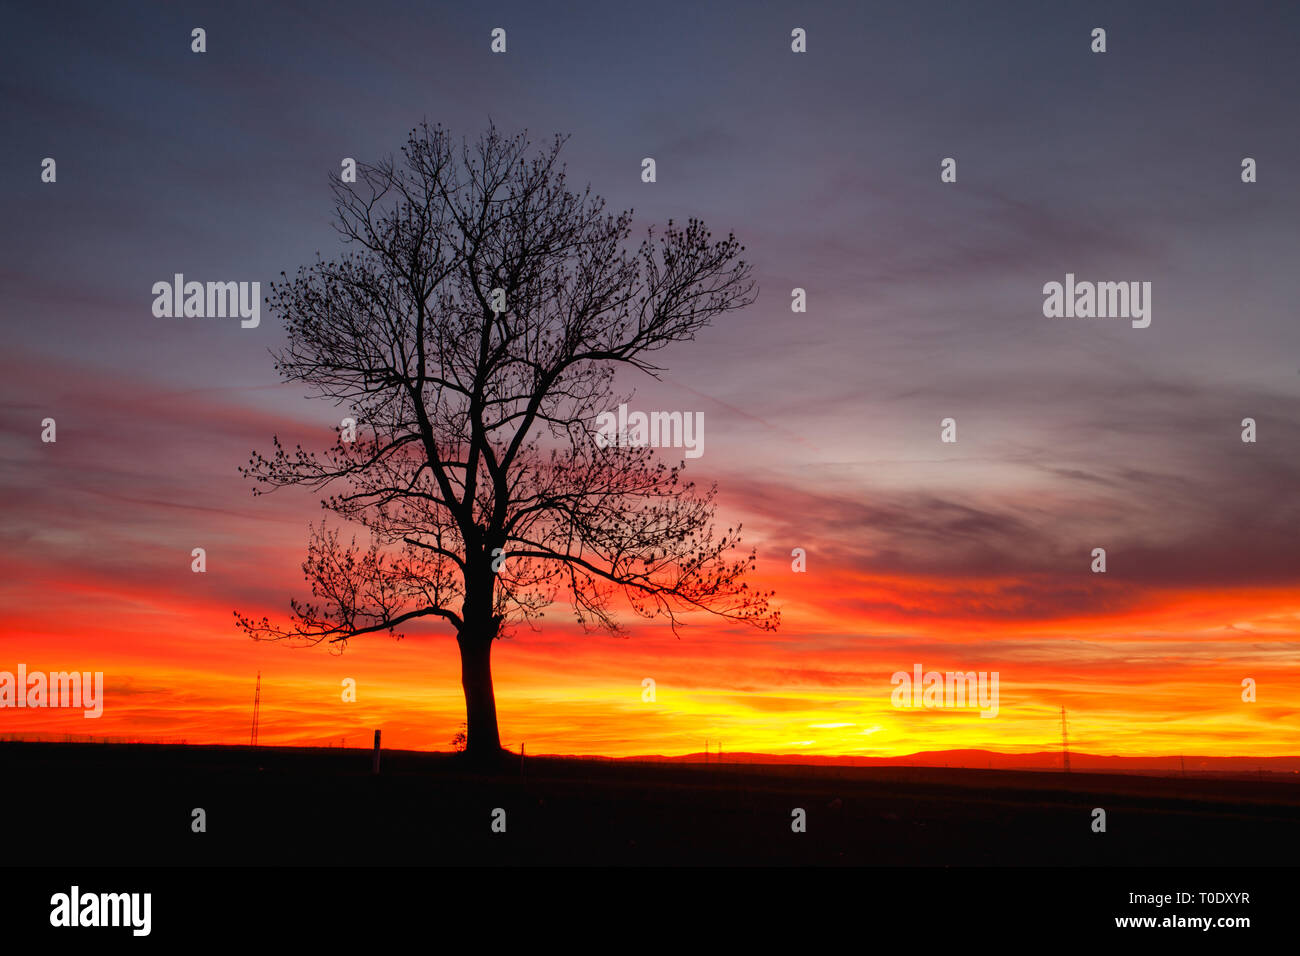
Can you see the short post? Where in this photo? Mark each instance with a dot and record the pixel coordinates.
(523, 752)
(375, 766)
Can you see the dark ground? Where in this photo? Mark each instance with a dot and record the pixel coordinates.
(95, 804)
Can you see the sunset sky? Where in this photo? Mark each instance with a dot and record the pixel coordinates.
(821, 429)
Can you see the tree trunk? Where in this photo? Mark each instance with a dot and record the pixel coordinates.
(482, 740)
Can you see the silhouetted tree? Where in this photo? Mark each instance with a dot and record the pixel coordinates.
(473, 331)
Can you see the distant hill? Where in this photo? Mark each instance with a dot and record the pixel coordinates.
(972, 759)
(986, 759)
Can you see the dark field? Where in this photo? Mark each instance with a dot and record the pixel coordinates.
(122, 805)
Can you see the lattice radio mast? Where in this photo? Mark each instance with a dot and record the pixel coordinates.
(257, 707)
(1065, 742)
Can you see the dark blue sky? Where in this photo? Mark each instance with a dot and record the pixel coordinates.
(924, 298)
